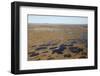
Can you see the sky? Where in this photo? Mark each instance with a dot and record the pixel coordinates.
(57, 19)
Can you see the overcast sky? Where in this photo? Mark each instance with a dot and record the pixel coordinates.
(57, 19)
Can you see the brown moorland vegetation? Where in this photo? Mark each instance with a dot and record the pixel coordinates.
(57, 41)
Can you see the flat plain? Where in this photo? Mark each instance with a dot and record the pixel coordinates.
(57, 41)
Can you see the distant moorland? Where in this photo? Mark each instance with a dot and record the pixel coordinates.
(57, 41)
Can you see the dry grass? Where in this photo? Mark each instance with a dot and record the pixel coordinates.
(61, 35)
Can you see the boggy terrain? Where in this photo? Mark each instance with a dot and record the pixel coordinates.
(57, 41)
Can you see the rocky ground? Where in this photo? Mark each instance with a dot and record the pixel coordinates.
(70, 50)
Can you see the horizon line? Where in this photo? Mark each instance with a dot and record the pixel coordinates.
(58, 23)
